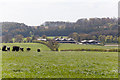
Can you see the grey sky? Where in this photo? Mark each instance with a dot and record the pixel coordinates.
(36, 12)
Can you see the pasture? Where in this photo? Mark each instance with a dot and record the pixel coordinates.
(81, 46)
(52, 64)
(0, 64)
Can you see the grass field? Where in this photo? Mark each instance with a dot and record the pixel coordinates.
(51, 64)
(81, 46)
(0, 64)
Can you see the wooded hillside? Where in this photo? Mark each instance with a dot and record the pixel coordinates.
(93, 26)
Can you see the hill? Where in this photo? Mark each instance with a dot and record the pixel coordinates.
(93, 26)
(14, 28)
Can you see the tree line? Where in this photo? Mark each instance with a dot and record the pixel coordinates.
(101, 38)
(95, 28)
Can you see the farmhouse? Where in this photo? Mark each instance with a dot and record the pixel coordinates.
(90, 42)
(65, 40)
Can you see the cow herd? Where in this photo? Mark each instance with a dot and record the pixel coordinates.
(16, 48)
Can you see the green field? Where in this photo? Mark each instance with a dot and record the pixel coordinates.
(0, 64)
(81, 46)
(52, 64)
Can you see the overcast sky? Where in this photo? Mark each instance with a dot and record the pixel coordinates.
(36, 12)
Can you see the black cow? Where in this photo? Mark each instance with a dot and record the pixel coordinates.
(15, 48)
(28, 49)
(4, 48)
(22, 49)
(38, 50)
(8, 48)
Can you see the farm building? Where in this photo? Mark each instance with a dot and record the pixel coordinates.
(64, 40)
(90, 42)
(42, 39)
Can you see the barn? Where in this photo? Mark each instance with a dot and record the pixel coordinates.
(42, 39)
(65, 40)
(95, 42)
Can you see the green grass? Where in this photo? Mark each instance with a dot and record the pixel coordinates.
(0, 66)
(51, 64)
(0, 62)
(81, 46)
(111, 43)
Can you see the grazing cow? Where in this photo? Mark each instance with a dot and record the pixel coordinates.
(15, 48)
(4, 48)
(22, 49)
(38, 50)
(28, 49)
(8, 48)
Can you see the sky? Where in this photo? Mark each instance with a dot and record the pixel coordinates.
(36, 12)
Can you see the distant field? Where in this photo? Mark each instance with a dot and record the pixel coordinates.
(111, 43)
(51, 37)
(81, 46)
(52, 64)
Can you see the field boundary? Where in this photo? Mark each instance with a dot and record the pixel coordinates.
(59, 78)
(100, 50)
